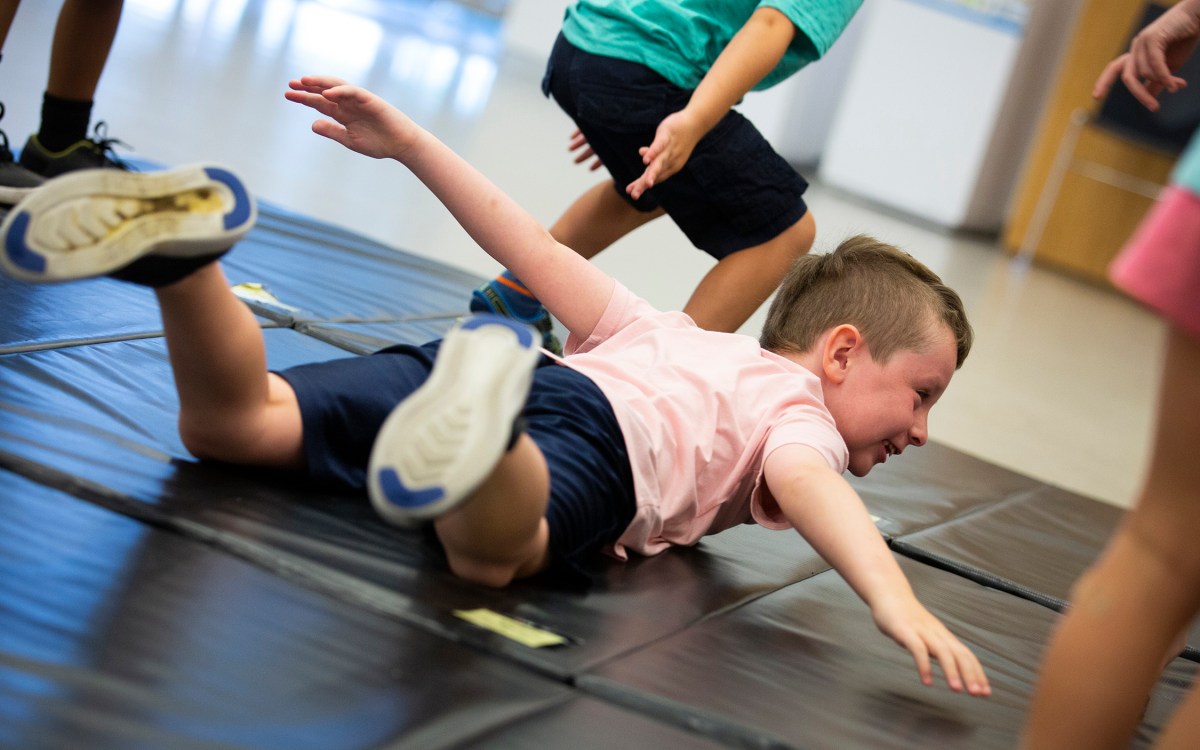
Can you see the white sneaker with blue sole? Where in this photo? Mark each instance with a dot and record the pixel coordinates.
(99, 222)
(438, 445)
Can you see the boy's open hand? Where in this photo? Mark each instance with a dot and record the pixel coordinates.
(674, 141)
(358, 119)
(916, 629)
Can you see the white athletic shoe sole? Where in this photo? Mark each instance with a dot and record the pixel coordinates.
(439, 444)
(96, 221)
(10, 196)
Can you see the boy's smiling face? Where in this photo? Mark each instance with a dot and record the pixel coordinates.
(881, 409)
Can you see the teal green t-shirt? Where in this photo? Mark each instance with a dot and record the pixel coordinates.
(1187, 170)
(680, 39)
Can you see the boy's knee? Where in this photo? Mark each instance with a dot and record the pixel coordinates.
(210, 439)
(491, 574)
(804, 234)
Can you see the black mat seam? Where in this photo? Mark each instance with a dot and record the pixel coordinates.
(681, 715)
(588, 667)
(996, 582)
(420, 739)
(73, 343)
(379, 319)
(964, 514)
(266, 324)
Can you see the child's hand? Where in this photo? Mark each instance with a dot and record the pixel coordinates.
(579, 143)
(1156, 52)
(358, 119)
(674, 140)
(916, 629)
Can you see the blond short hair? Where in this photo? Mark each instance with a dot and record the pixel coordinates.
(890, 297)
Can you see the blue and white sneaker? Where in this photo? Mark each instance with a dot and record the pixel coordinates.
(506, 295)
(151, 228)
(439, 444)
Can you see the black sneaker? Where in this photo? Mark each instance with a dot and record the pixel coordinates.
(150, 228)
(16, 181)
(87, 153)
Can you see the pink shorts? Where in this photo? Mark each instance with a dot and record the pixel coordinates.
(1160, 265)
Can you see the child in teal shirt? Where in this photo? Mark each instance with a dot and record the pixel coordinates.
(651, 86)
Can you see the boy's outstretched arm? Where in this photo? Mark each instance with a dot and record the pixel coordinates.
(573, 289)
(825, 509)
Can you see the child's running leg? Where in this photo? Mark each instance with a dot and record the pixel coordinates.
(453, 451)
(740, 282)
(597, 219)
(728, 294)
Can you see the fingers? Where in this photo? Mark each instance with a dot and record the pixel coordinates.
(315, 84)
(1133, 82)
(920, 657)
(971, 673)
(960, 667)
(948, 659)
(648, 179)
(1108, 77)
(579, 141)
(331, 130)
(1144, 71)
(320, 93)
(1151, 60)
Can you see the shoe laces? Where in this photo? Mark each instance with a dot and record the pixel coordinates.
(6, 154)
(104, 145)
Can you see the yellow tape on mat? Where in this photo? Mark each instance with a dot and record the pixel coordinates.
(521, 632)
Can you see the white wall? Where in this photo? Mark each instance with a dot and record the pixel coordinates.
(940, 107)
(531, 26)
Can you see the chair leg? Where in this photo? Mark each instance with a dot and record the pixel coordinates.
(1050, 189)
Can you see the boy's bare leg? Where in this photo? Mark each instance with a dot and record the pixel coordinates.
(597, 219)
(728, 294)
(83, 38)
(738, 285)
(1128, 609)
(230, 409)
(453, 451)
(500, 532)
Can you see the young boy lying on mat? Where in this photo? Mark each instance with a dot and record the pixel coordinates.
(651, 432)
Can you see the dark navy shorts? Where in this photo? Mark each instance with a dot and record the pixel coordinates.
(734, 192)
(344, 402)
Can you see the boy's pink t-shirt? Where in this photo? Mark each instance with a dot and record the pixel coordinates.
(700, 411)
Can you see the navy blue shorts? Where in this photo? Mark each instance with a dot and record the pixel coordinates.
(344, 402)
(734, 192)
